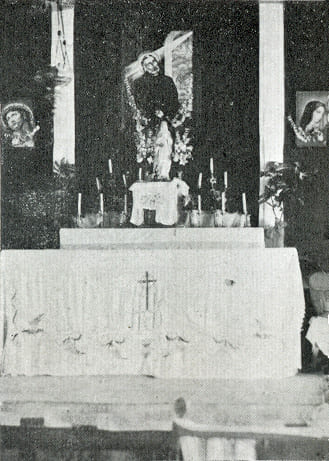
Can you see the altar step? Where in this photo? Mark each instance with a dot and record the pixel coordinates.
(123, 403)
(173, 238)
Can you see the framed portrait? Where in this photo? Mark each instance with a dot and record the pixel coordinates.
(18, 124)
(312, 111)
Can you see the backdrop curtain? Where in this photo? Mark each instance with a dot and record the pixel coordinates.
(225, 66)
(25, 52)
(306, 65)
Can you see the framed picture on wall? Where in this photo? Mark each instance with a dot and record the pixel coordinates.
(18, 123)
(312, 112)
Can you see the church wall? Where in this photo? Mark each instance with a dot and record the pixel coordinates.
(306, 65)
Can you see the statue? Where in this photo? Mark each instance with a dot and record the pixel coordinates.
(163, 152)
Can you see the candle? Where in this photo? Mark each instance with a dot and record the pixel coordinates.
(199, 203)
(79, 204)
(98, 184)
(200, 180)
(124, 180)
(225, 179)
(244, 203)
(223, 202)
(212, 166)
(125, 204)
(140, 174)
(101, 203)
(110, 166)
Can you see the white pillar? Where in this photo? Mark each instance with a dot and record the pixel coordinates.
(64, 120)
(271, 91)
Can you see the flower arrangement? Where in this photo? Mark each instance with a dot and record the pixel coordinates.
(283, 184)
(145, 136)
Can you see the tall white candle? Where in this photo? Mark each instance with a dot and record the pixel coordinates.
(124, 180)
(140, 174)
(223, 202)
(244, 203)
(110, 166)
(200, 180)
(79, 203)
(225, 180)
(212, 166)
(98, 184)
(101, 203)
(199, 203)
(125, 204)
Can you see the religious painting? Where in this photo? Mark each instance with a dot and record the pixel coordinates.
(159, 89)
(312, 111)
(18, 124)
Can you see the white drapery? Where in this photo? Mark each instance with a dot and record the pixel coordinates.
(271, 91)
(201, 442)
(64, 115)
(210, 313)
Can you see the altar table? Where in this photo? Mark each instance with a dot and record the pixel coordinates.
(168, 313)
(161, 196)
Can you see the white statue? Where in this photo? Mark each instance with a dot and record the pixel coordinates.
(163, 152)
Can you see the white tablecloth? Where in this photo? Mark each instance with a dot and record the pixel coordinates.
(159, 196)
(212, 313)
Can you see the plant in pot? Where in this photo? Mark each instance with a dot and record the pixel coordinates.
(283, 184)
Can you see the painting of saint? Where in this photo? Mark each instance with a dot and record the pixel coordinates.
(312, 118)
(161, 102)
(18, 124)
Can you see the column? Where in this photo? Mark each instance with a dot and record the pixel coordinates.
(62, 57)
(271, 91)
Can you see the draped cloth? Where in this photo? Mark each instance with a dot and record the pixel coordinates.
(159, 196)
(200, 442)
(208, 314)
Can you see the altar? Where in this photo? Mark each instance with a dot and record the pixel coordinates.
(174, 313)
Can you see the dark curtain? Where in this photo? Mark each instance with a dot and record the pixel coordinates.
(25, 50)
(306, 64)
(112, 34)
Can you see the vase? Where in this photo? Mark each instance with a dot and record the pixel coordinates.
(274, 235)
(218, 218)
(202, 219)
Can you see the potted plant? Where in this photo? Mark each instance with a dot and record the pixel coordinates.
(283, 184)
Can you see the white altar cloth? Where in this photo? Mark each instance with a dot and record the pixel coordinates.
(161, 196)
(212, 313)
(164, 238)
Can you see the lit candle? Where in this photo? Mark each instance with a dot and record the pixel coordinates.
(225, 179)
(223, 202)
(244, 203)
(212, 166)
(199, 203)
(98, 184)
(79, 204)
(110, 166)
(200, 180)
(140, 174)
(101, 203)
(124, 180)
(125, 204)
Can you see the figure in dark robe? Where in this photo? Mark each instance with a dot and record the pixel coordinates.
(155, 94)
(156, 98)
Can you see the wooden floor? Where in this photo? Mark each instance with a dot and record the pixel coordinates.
(289, 406)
